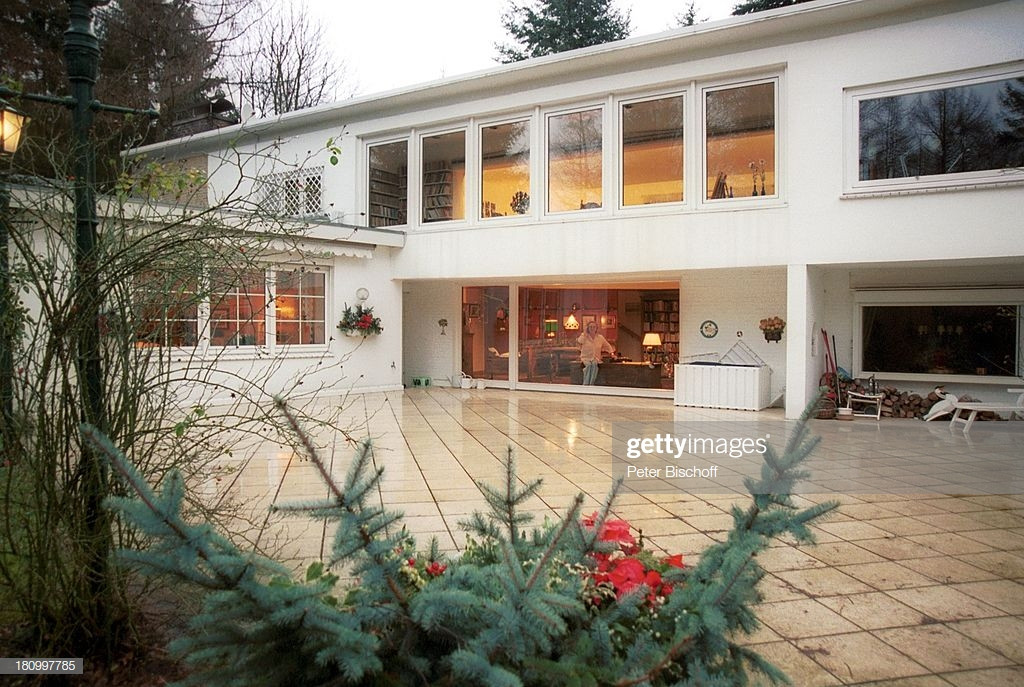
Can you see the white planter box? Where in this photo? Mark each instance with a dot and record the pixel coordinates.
(723, 386)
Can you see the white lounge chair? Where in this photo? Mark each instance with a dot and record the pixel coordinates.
(972, 408)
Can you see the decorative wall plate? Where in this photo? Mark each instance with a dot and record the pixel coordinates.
(708, 329)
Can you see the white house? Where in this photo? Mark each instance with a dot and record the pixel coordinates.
(855, 166)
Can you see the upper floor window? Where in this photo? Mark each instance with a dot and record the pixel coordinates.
(444, 177)
(935, 134)
(505, 169)
(652, 151)
(294, 194)
(574, 161)
(739, 143)
(388, 183)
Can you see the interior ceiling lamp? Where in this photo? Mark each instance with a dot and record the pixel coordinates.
(12, 122)
(571, 322)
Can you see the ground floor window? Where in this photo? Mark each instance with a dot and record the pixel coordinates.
(942, 339)
(629, 331)
(485, 331)
(601, 335)
(284, 305)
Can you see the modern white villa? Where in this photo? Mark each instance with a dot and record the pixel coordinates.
(852, 166)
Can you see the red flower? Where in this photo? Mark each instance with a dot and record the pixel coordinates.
(626, 575)
(613, 531)
(436, 569)
(676, 561)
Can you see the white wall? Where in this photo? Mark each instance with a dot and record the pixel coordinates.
(736, 300)
(426, 351)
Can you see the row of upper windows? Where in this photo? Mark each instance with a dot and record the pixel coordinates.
(739, 159)
(935, 132)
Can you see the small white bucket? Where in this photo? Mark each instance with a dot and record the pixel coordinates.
(466, 383)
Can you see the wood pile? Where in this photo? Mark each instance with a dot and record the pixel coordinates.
(901, 404)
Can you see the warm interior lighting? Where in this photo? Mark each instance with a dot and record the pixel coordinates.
(651, 341)
(571, 322)
(11, 124)
(550, 328)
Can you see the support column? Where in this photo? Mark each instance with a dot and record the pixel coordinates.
(798, 338)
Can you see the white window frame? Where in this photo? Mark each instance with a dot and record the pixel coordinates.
(271, 284)
(236, 350)
(911, 297)
(364, 174)
(274, 194)
(545, 180)
(853, 185)
(702, 200)
(530, 214)
(206, 350)
(469, 174)
(686, 95)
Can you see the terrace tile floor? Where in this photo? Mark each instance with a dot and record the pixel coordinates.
(918, 588)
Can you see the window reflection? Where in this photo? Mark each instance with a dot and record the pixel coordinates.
(740, 141)
(942, 339)
(388, 184)
(505, 169)
(485, 330)
(574, 161)
(652, 151)
(943, 131)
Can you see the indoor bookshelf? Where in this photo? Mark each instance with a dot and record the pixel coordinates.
(661, 315)
(437, 191)
(387, 197)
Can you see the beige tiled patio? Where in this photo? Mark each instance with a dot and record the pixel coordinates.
(912, 589)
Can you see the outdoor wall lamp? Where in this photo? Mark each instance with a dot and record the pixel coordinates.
(12, 122)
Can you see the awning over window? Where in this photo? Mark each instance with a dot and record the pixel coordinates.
(306, 248)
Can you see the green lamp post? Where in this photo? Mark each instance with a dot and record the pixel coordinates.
(81, 57)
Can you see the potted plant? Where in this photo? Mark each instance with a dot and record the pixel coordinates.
(772, 328)
(359, 321)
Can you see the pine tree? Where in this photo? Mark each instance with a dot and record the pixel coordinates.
(751, 6)
(511, 611)
(546, 27)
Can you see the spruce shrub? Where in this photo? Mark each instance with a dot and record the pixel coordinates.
(576, 602)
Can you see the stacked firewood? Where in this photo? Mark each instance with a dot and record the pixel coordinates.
(901, 404)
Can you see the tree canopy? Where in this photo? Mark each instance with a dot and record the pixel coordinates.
(751, 6)
(546, 27)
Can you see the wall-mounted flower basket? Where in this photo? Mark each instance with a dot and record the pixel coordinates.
(359, 321)
(772, 328)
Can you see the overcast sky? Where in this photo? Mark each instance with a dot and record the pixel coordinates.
(388, 44)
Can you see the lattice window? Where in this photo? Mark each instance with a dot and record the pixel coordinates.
(294, 194)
